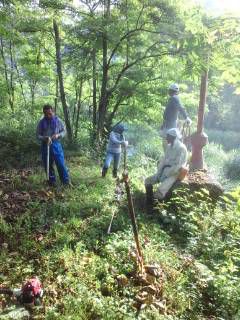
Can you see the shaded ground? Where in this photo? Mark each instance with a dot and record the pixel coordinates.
(61, 236)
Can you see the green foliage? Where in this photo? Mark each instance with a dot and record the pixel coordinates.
(69, 249)
(215, 158)
(218, 162)
(15, 144)
(133, 53)
(210, 234)
(144, 140)
(227, 139)
(232, 167)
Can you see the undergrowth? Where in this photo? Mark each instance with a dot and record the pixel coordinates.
(64, 241)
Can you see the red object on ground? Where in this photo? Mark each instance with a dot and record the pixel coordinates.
(32, 289)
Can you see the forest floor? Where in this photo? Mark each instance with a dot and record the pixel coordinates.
(60, 235)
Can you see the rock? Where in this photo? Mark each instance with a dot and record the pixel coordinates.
(15, 313)
(122, 280)
(196, 181)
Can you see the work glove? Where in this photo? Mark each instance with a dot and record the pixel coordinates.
(17, 293)
(48, 140)
(188, 121)
(55, 136)
(125, 143)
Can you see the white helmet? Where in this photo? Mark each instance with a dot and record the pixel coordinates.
(174, 132)
(174, 87)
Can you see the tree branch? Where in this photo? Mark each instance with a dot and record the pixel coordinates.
(144, 57)
(130, 34)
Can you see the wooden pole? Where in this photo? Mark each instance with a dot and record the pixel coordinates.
(202, 101)
(199, 139)
(133, 220)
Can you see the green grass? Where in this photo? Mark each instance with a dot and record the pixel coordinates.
(228, 140)
(64, 241)
(222, 165)
(61, 236)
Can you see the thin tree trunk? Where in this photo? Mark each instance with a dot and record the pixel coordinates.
(11, 75)
(112, 114)
(94, 86)
(104, 92)
(32, 89)
(56, 95)
(61, 83)
(78, 108)
(75, 104)
(10, 100)
(21, 85)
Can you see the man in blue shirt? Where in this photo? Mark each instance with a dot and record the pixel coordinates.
(173, 108)
(50, 130)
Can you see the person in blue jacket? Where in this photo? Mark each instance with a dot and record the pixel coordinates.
(173, 109)
(50, 130)
(114, 148)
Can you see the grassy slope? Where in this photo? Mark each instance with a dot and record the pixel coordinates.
(64, 241)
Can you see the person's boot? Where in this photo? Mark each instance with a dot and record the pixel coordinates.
(52, 183)
(104, 171)
(149, 199)
(115, 173)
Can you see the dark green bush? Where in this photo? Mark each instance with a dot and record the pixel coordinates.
(227, 139)
(232, 167)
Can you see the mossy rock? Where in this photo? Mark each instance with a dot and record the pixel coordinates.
(15, 313)
(196, 181)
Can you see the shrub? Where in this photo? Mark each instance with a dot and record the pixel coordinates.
(232, 167)
(227, 139)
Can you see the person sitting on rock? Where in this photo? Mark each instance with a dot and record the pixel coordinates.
(169, 168)
(114, 148)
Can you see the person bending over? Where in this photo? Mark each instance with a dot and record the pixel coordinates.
(114, 149)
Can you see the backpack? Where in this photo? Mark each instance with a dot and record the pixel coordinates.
(31, 290)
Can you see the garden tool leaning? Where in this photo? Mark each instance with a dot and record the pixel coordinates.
(49, 141)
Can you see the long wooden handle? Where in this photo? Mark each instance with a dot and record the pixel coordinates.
(133, 221)
(48, 156)
(125, 159)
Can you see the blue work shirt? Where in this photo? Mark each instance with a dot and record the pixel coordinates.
(170, 115)
(48, 127)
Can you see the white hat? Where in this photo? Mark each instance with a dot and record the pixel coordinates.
(174, 132)
(174, 87)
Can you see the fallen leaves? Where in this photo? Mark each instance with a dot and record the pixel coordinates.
(149, 279)
(151, 294)
(15, 202)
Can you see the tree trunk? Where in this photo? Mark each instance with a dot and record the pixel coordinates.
(78, 108)
(61, 84)
(200, 139)
(75, 104)
(12, 87)
(21, 84)
(202, 101)
(9, 83)
(32, 85)
(56, 95)
(104, 98)
(94, 86)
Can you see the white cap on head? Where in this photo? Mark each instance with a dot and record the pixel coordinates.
(174, 132)
(174, 87)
